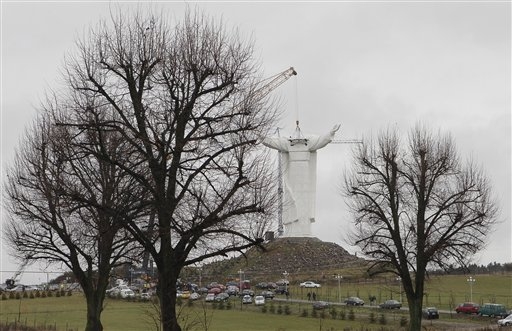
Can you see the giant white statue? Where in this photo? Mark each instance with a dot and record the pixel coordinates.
(298, 157)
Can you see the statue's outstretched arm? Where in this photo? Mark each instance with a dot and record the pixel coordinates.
(319, 142)
(281, 144)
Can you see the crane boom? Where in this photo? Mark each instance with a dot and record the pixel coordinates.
(274, 82)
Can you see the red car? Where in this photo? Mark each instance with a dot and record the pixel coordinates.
(467, 308)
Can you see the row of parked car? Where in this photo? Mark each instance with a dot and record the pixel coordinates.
(487, 309)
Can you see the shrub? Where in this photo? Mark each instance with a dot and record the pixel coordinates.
(4, 296)
(179, 301)
(11, 295)
(287, 310)
(343, 314)
(222, 306)
(69, 293)
(272, 308)
(372, 317)
(351, 315)
(49, 294)
(279, 310)
(314, 313)
(322, 314)
(264, 309)
(382, 319)
(32, 296)
(304, 313)
(38, 294)
(25, 295)
(57, 294)
(403, 321)
(18, 295)
(43, 294)
(333, 312)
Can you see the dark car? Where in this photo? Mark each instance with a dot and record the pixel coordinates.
(267, 294)
(320, 305)
(467, 308)
(281, 289)
(430, 313)
(246, 292)
(354, 301)
(391, 304)
(222, 297)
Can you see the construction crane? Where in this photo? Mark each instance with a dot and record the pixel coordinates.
(274, 82)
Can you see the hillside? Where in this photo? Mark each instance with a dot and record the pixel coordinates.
(299, 257)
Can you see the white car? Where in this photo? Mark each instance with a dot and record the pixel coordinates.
(506, 321)
(127, 293)
(309, 284)
(259, 300)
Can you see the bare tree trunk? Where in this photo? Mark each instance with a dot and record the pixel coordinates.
(167, 278)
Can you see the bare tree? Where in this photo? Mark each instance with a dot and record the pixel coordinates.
(62, 202)
(416, 205)
(184, 99)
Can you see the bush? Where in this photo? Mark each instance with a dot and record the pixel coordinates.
(279, 310)
(229, 305)
(25, 295)
(179, 301)
(304, 313)
(69, 293)
(333, 312)
(11, 295)
(314, 313)
(403, 321)
(382, 319)
(222, 306)
(351, 315)
(322, 314)
(264, 309)
(4, 296)
(272, 308)
(18, 295)
(38, 294)
(343, 314)
(32, 296)
(372, 318)
(57, 294)
(287, 310)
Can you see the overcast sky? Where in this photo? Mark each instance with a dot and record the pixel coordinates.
(365, 65)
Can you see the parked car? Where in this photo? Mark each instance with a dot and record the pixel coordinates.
(354, 301)
(320, 305)
(259, 300)
(247, 292)
(309, 284)
(267, 294)
(430, 313)
(127, 293)
(246, 299)
(215, 290)
(493, 310)
(391, 304)
(467, 308)
(194, 296)
(262, 285)
(281, 289)
(222, 297)
(505, 321)
(232, 290)
(210, 297)
(145, 296)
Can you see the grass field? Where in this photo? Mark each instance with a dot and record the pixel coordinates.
(68, 313)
